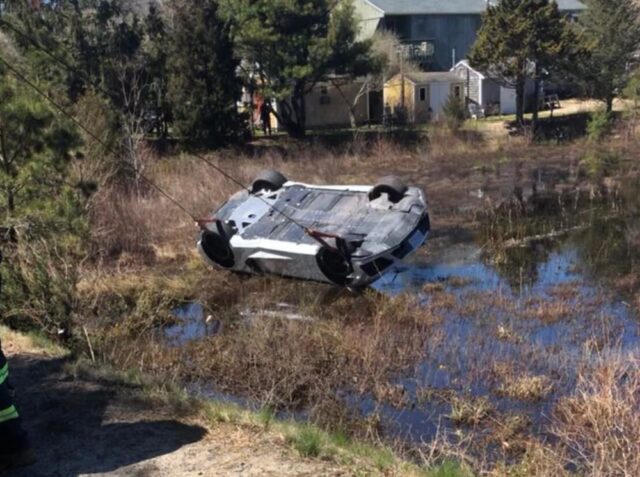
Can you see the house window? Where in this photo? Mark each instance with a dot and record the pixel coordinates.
(457, 92)
(324, 95)
(423, 94)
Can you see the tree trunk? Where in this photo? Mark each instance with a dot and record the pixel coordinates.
(352, 106)
(520, 81)
(609, 102)
(11, 205)
(292, 113)
(536, 100)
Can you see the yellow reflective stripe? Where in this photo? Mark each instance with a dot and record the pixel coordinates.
(8, 413)
(4, 372)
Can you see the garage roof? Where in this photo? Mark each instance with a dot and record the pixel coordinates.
(452, 7)
(422, 77)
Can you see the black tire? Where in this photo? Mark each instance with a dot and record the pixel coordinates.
(216, 246)
(334, 266)
(390, 185)
(269, 180)
(225, 230)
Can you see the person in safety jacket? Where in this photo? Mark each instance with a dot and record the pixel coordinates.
(15, 450)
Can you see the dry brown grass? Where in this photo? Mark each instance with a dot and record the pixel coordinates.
(600, 424)
(356, 344)
(470, 410)
(527, 388)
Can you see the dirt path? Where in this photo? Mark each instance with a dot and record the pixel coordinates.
(84, 427)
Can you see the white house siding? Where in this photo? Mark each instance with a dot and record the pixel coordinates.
(472, 82)
(369, 18)
(439, 94)
(507, 100)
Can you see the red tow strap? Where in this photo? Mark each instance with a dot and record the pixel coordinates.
(202, 223)
(320, 236)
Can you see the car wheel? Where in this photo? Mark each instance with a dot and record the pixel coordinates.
(217, 248)
(390, 185)
(334, 266)
(268, 180)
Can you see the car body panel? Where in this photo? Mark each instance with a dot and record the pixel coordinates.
(270, 231)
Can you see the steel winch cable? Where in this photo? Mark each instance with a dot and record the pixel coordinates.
(314, 234)
(108, 148)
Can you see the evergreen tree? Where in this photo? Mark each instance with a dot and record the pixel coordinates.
(42, 219)
(610, 34)
(156, 56)
(35, 150)
(520, 39)
(203, 86)
(291, 45)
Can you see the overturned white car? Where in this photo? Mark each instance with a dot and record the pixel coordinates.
(344, 235)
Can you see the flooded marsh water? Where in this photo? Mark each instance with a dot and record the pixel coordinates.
(519, 319)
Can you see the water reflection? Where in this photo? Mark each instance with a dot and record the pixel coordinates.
(191, 324)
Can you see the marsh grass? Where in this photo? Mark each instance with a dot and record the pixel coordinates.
(470, 410)
(358, 345)
(307, 440)
(599, 425)
(30, 342)
(527, 388)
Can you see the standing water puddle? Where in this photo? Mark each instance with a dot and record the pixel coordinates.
(502, 325)
(538, 321)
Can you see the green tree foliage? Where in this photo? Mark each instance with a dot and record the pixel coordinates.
(520, 39)
(34, 151)
(156, 50)
(632, 93)
(632, 89)
(203, 85)
(599, 125)
(43, 222)
(288, 46)
(610, 34)
(454, 113)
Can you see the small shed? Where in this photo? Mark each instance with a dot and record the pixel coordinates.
(331, 103)
(487, 92)
(422, 95)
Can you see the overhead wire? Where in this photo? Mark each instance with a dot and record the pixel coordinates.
(312, 233)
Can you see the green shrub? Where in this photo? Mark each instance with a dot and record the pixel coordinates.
(307, 440)
(454, 113)
(449, 469)
(600, 163)
(599, 125)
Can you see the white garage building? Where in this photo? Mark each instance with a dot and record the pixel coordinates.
(487, 92)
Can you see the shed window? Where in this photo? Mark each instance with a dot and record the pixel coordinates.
(324, 95)
(457, 91)
(423, 94)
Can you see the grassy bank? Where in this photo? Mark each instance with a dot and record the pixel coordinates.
(354, 456)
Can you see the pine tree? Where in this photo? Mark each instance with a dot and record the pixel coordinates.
(42, 220)
(520, 39)
(203, 86)
(289, 46)
(610, 34)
